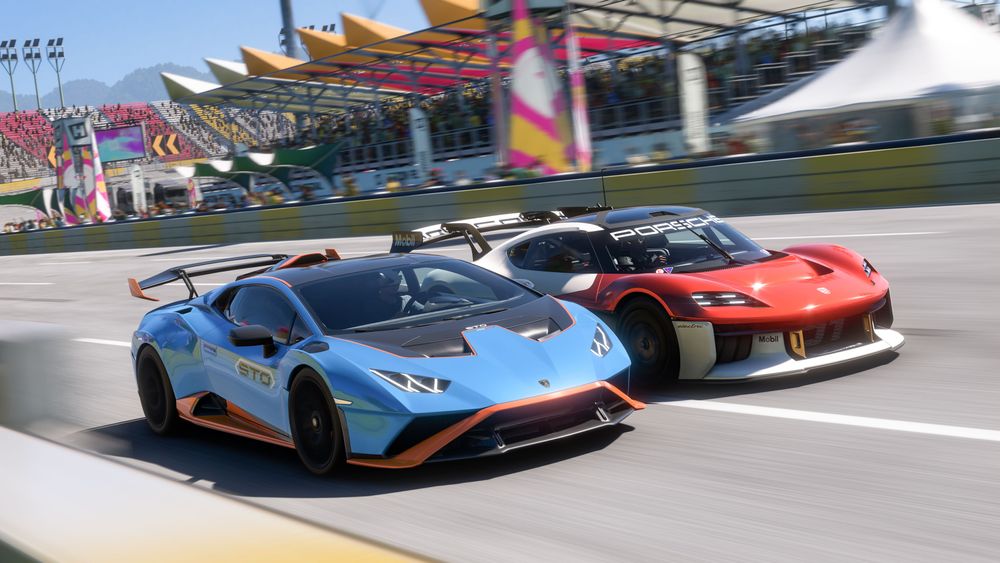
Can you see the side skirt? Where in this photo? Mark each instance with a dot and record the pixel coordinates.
(233, 420)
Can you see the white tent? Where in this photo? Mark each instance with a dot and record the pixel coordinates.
(926, 50)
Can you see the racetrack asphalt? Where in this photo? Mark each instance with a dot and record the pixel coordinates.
(896, 458)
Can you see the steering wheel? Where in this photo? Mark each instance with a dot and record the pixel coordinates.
(423, 297)
(657, 256)
(418, 297)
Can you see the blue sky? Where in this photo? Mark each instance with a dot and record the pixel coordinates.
(106, 39)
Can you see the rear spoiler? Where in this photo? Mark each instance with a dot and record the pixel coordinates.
(472, 229)
(269, 262)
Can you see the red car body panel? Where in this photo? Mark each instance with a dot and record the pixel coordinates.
(808, 284)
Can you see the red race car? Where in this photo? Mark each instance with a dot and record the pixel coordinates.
(689, 295)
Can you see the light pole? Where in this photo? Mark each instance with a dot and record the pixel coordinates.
(57, 58)
(8, 58)
(32, 55)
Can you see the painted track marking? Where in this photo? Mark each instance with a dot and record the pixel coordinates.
(103, 342)
(846, 420)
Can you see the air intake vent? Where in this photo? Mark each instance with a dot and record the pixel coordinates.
(537, 329)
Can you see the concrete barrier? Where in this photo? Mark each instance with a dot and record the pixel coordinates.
(61, 504)
(948, 170)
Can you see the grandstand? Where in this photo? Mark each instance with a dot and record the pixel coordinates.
(221, 121)
(140, 113)
(180, 118)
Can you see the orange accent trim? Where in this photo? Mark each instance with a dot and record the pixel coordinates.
(419, 453)
(237, 421)
(136, 291)
(644, 292)
(275, 279)
(293, 262)
(332, 254)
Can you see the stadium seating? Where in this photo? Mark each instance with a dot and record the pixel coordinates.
(135, 113)
(222, 123)
(180, 118)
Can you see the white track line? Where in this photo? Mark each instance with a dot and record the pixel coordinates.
(27, 283)
(913, 234)
(846, 420)
(61, 263)
(104, 342)
(791, 414)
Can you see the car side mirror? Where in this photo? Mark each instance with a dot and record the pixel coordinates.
(526, 283)
(253, 335)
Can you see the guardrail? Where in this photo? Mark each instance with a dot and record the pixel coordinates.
(933, 171)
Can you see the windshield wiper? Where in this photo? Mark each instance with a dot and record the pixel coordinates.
(722, 251)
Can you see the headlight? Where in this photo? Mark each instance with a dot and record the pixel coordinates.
(601, 344)
(721, 298)
(867, 267)
(413, 383)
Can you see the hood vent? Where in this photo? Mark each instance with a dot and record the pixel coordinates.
(820, 269)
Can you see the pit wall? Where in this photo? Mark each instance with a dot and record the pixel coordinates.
(939, 171)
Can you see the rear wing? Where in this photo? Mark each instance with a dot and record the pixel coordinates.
(472, 229)
(260, 263)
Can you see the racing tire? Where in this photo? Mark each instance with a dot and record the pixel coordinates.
(315, 424)
(156, 394)
(648, 335)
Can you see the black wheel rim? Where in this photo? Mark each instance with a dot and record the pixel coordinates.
(151, 393)
(644, 344)
(314, 426)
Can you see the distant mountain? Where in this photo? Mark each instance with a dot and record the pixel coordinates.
(140, 85)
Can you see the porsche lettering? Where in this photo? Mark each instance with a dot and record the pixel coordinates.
(666, 227)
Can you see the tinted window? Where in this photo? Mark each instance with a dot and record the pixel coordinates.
(395, 297)
(569, 253)
(300, 331)
(258, 305)
(679, 245)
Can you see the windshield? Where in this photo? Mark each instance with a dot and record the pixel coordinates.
(408, 296)
(675, 246)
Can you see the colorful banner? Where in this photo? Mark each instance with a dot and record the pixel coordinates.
(98, 205)
(539, 126)
(694, 102)
(79, 170)
(578, 94)
(66, 180)
(193, 193)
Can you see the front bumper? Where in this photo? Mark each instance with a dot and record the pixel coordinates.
(780, 363)
(769, 354)
(509, 426)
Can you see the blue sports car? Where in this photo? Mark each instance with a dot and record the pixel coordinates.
(382, 361)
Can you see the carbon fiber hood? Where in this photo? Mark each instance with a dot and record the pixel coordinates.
(536, 320)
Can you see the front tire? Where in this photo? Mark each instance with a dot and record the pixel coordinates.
(156, 394)
(315, 424)
(649, 337)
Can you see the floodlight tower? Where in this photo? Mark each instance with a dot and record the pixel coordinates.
(8, 58)
(291, 46)
(57, 58)
(32, 56)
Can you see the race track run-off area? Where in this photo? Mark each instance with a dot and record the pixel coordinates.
(894, 459)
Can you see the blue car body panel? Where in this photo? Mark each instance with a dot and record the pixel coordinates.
(191, 338)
